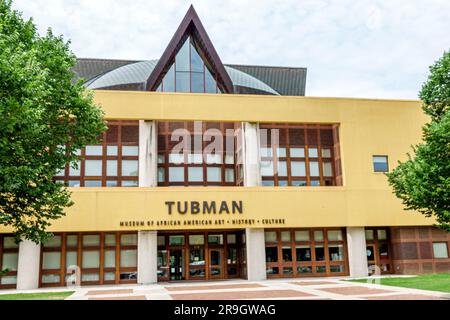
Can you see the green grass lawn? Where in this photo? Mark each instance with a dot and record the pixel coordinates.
(37, 296)
(433, 282)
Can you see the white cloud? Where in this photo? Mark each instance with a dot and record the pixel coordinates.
(368, 48)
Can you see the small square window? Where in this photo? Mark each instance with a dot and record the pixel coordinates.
(380, 164)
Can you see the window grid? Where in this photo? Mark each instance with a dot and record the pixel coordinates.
(319, 137)
(315, 266)
(3, 250)
(173, 69)
(120, 134)
(165, 146)
(80, 248)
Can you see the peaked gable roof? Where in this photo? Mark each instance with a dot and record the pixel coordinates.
(191, 25)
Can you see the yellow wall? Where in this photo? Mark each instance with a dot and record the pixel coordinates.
(367, 127)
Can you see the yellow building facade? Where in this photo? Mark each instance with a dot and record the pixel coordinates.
(210, 171)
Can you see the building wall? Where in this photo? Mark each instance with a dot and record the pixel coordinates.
(366, 128)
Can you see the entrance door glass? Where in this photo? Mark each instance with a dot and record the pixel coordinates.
(176, 264)
(370, 250)
(216, 263)
(197, 262)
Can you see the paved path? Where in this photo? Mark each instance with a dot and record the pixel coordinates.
(296, 289)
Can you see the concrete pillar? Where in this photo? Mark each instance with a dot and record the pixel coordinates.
(148, 154)
(256, 254)
(147, 257)
(357, 255)
(252, 175)
(28, 265)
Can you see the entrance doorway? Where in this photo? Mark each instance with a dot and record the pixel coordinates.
(216, 270)
(200, 255)
(176, 264)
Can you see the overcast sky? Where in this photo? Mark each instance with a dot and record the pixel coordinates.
(364, 48)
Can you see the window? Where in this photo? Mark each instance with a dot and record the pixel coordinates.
(299, 155)
(440, 250)
(113, 163)
(206, 159)
(291, 253)
(9, 253)
(380, 164)
(188, 73)
(271, 254)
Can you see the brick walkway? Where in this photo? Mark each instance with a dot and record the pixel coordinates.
(293, 289)
(334, 289)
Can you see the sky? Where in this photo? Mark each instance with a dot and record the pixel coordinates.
(365, 48)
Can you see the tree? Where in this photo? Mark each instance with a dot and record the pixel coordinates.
(44, 119)
(423, 181)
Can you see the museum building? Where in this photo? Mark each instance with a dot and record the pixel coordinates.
(211, 171)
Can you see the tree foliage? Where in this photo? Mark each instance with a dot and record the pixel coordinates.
(44, 119)
(423, 181)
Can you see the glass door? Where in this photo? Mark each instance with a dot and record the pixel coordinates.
(371, 259)
(163, 265)
(176, 264)
(216, 264)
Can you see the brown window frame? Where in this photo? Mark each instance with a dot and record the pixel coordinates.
(80, 248)
(165, 128)
(105, 142)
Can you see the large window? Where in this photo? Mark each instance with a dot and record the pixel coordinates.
(97, 258)
(188, 73)
(305, 252)
(197, 163)
(113, 163)
(299, 155)
(9, 253)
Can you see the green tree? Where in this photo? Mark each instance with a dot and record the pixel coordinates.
(423, 181)
(44, 119)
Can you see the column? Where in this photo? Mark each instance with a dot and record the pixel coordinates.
(147, 257)
(148, 154)
(28, 265)
(252, 176)
(256, 254)
(357, 256)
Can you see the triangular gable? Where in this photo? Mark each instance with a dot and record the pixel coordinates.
(191, 26)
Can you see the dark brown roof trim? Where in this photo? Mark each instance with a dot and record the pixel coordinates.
(191, 25)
